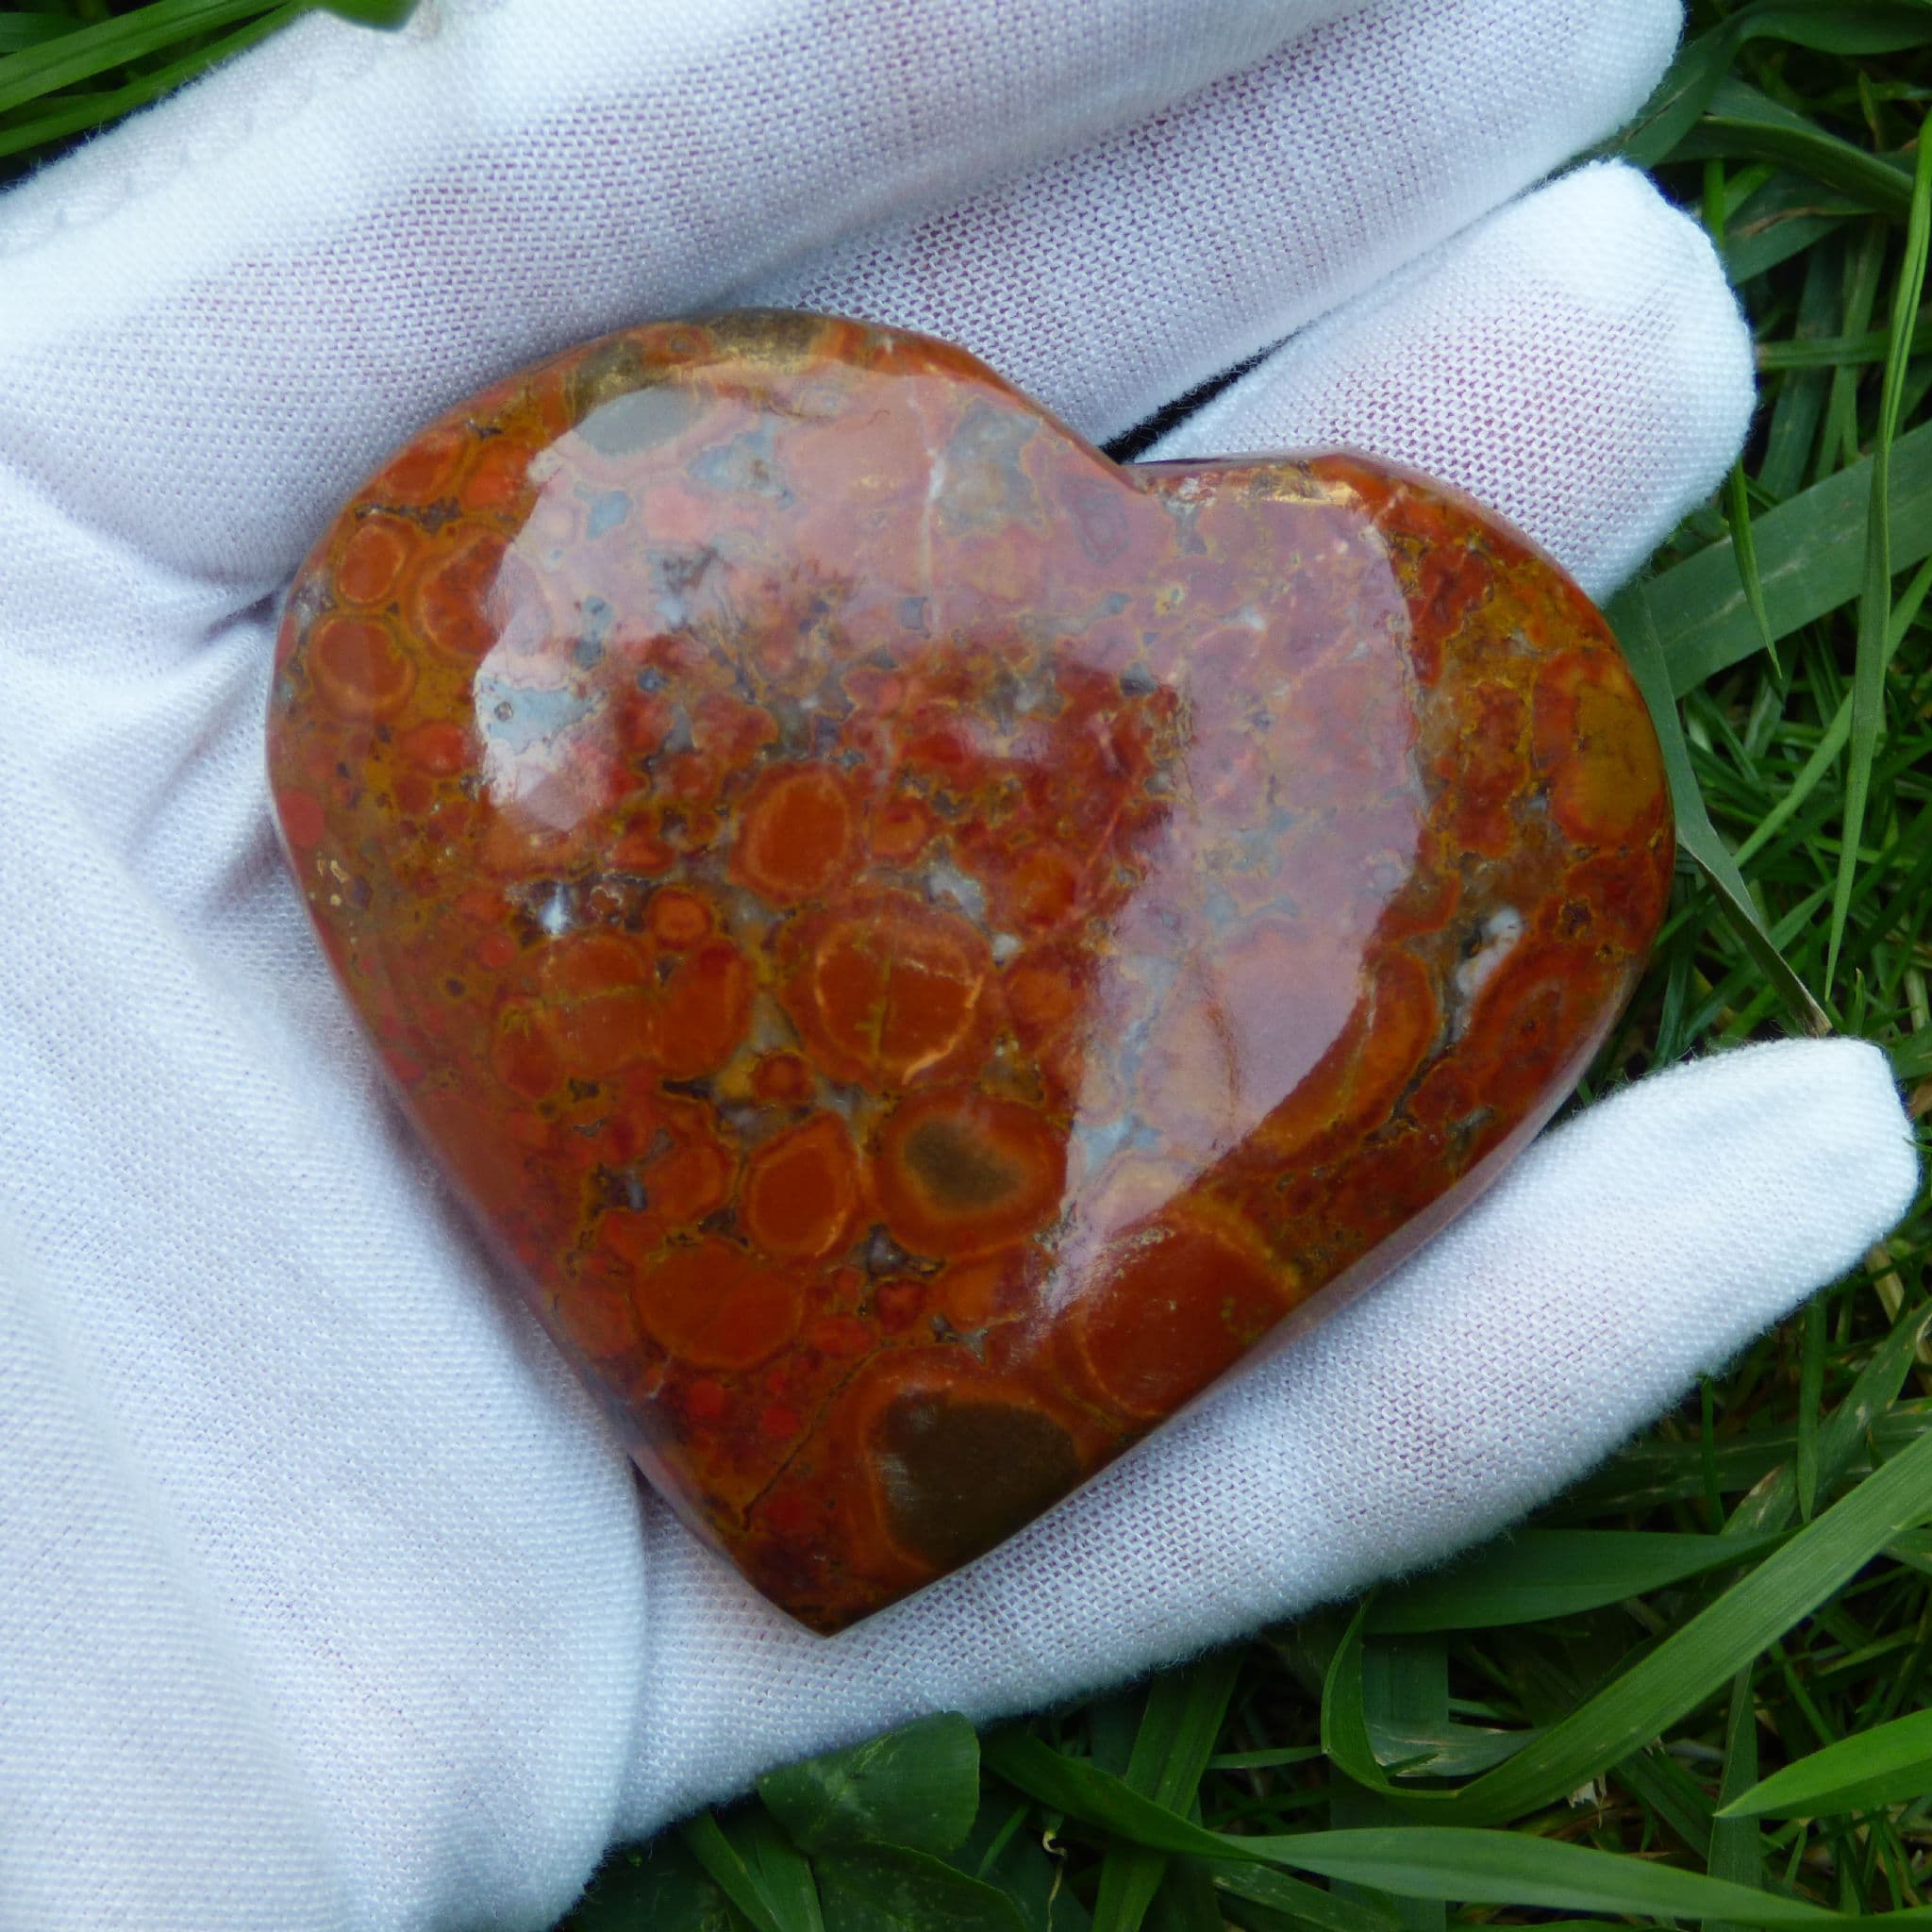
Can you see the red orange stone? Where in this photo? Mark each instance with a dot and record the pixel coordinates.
(923, 946)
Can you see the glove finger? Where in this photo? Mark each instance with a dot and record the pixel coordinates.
(1643, 1243)
(1577, 362)
(216, 321)
(1113, 280)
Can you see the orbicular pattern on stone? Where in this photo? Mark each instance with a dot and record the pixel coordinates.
(925, 946)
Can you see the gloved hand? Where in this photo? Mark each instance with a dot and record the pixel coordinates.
(327, 1600)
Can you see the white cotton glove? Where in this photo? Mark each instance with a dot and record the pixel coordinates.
(327, 1600)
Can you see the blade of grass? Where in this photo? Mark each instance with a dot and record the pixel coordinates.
(1737, 1847)
(781, 1872)
(1187, 1902)
(1889, 1765)
(1083, 1790)
(1864, 276)
(1870, 1397)
(1788, 216)
(386, 14)
(1472, 1866)
(1448, 1750)
(1404, 1692)
(1238, 1865)
(705, 1839)
(1168, 1761)
(1632, 620)
(1810, 1394)
(1738, 516)
(18, 31)
(1825, 752)
(1271, 1759)
(1510, 1868)
(1809, 560)
(1737, 496)
(1655, 1475)
(1673, 1679)
(1839, 352)
(1706, 1445)
(1669, 1793)
(1740, 122)
(110, 105)
(1686, 91)
(1874, 609)
(1301, 1903)
(89, 51)
(1541, 1574)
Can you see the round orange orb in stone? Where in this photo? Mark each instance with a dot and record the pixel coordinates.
(923, 946)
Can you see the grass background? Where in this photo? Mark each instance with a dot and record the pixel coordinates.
(1698, 1688)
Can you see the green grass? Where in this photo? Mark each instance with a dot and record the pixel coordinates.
(69, 66)
(1699, 1686)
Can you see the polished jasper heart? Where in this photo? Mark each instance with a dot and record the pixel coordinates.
(927, 946)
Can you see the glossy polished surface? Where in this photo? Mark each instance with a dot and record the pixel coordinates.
(923, 946)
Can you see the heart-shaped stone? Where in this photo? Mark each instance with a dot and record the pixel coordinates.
(926, 946)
